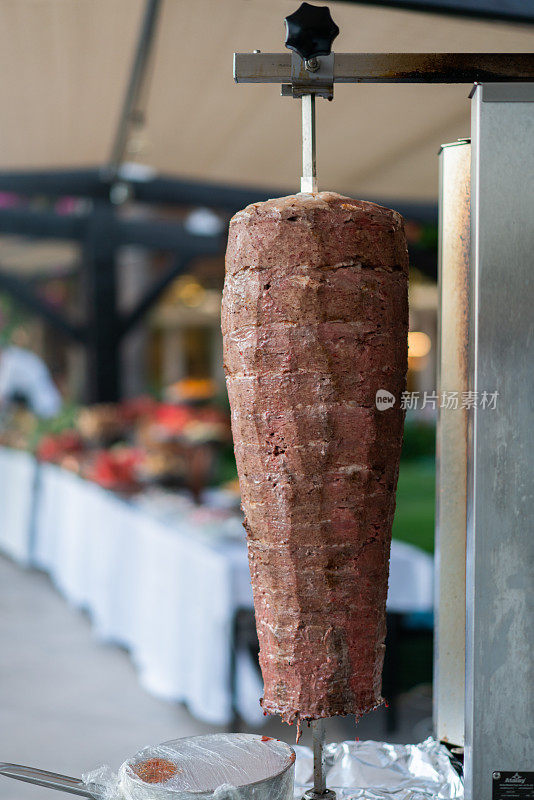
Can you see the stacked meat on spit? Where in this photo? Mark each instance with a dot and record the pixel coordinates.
(315, 321)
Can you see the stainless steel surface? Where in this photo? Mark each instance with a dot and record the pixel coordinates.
(308, 182)
(507, 93)
(262, 67)
(41, 777)
(451, 442)
(500, 512)
(394, 67)
(381, 771)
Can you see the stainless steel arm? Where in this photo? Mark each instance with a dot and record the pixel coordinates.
(41, 777)
(394, 67)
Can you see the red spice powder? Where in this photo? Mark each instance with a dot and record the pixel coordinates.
(155, 770)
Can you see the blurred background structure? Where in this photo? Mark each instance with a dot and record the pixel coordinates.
(124, 150)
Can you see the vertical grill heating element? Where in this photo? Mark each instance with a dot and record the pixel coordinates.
(310, 71)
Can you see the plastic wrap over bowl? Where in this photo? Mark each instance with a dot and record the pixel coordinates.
(223, 766)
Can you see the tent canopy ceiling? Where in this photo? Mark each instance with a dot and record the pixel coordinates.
(64, 68)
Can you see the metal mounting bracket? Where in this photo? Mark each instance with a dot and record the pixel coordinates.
(315, 76)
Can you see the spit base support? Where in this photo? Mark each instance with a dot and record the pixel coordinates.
(311, 794)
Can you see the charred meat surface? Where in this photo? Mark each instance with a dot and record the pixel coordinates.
(315, 322)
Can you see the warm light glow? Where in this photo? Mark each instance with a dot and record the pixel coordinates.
(419, 344)
(189, 291)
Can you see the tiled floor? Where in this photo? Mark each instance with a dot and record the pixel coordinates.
(69, 703)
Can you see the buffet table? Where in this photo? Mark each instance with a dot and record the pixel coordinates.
(157, 576)
(18, 472)
(167, 591)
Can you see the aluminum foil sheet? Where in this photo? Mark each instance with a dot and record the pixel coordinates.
(379, 771)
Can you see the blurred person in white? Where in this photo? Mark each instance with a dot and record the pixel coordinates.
(25, 377)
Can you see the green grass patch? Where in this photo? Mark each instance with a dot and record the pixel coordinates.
(414, 517)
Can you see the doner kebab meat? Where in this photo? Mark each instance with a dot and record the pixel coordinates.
(315, 323)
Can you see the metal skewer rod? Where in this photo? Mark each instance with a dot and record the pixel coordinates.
(318, 737)
(308, 182)
(319, 791)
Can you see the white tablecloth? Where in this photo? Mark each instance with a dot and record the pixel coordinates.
(157, 589)
(17, 489)
(165, 588)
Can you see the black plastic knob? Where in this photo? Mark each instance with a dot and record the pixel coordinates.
(310, 31)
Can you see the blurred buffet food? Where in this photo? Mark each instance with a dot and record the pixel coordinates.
(182, 443)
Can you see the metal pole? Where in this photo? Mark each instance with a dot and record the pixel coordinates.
(318, 736)
(319, 791)
(100, 292)
(308, 182)
(130, 111)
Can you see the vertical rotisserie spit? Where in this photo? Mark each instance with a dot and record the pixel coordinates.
(315, 322)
